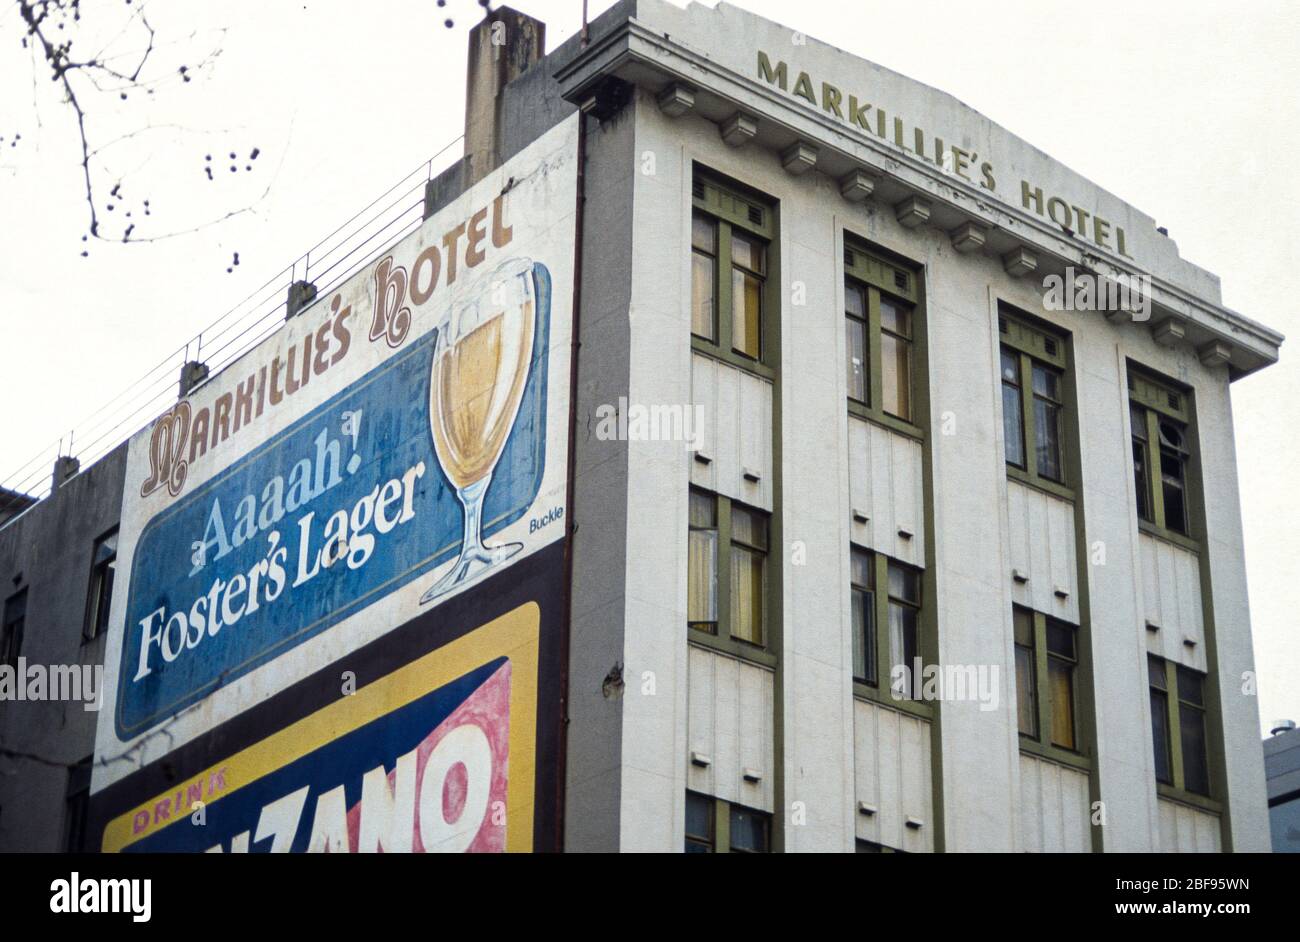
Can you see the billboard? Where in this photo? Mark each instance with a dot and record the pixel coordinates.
(398, 447)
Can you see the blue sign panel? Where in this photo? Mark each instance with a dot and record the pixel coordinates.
(347, 504)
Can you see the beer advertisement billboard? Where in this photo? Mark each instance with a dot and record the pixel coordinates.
(312, 540)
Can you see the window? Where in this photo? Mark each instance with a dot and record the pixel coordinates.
(1178, 726)
(702, 591)
(76, 806)
(750, 831)
(1160, 418)
(1026, 675)
(103, 567)
(1061, 663)
(871, 847)
(727, 581)
(897, 607)
(11, 633)
(880, 302)
(731, 300)
(863, 582)
(699, 823)
(1160, 720)
(1191, 730)
(748, 573)
(712, 823)
(1047, 662)
(1032, 365)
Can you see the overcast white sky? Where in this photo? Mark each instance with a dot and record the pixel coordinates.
(1187, 109)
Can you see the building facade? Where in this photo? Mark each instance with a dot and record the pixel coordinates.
(900, 506)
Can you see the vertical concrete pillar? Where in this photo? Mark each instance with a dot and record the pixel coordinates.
(504, 45)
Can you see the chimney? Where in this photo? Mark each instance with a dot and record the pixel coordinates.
(65, 469)
(502, 47)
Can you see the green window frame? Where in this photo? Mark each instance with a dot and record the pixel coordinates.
(713, 823)
(883, 333)
(735, 294)
(1180, 727)
(1161, 424)
(1036, 415)
(885, 606)
(1048, 685)
(728, 581)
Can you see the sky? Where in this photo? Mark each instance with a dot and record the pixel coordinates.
(1190, 110)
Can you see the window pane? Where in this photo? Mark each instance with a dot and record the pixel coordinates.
(1156, 672)
(748, 527)
(749, 831)
(746, 313)
(702, 563)
(896, 375)
(703, 321)
(1012, 433)
(1191, 686)
(1196, 773)
(856, 351)
(904, 583)
(1060, 639)
(864, 636)
(855, 301)
(1047, 382)
(704, 233)
(1047, 431)
(1137, 417)
(860, 569)
(1026, 700)
(1140, 485)
(747, 594)
(699, 824)
(1061, 697)
(1160, 736)
(747, 252)
(1022, 620)
(1171, 480)
(895, 318)
(903, 649)
(1010, 367)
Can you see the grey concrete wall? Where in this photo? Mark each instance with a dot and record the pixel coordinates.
(48, 551)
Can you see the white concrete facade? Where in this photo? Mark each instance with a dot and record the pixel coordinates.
(821, 756)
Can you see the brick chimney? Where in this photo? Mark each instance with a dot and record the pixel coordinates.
(503, 46)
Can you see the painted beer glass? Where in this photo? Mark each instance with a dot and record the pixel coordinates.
(481, 361)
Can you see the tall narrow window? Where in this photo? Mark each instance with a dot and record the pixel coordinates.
(11, 632)
(862, 577)
(1160, 416)
(704, 266)
(748, 573)
(1047, 421)
(1026, 680)
(1061, 662)
(856, 326)
(733, 234)
(103, 569)
(1047, 666)
(702, 553)
(882, 321)
(1191, 730)
(700, 811)
(1032, 363)
(1013, 434)
(748, 268)
(1173, 474)
(896, 358)
(1141, 463)
(1160, 720)
(904, 606)
(76, 806)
